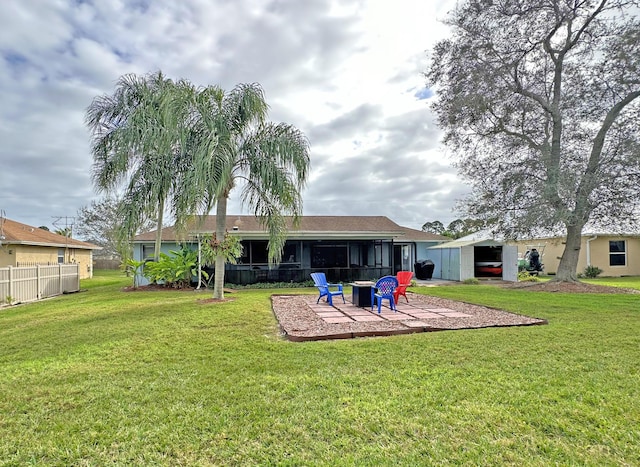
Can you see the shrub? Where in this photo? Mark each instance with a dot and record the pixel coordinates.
(592, 272)
(524, 276)
(471, 281)
(173, 271)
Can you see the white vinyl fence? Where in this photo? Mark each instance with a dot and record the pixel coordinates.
(26, 284)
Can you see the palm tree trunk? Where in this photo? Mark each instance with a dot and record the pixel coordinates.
(156, 251)
(221, 222)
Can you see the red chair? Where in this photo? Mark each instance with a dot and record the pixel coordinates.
(404, 281)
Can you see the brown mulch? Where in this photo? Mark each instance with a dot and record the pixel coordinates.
(298, 322)
(162, 288)
(568, 287)
(156, 288)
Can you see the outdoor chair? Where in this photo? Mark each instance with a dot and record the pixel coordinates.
(404, 281)
(384, 290)
(320, 281)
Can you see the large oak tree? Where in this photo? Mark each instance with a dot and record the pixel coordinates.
(540, 103)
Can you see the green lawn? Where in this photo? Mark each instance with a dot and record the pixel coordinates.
(147, 378)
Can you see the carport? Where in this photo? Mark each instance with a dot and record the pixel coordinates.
(476, 255)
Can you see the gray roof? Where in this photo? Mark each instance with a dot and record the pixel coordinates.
(310, 227)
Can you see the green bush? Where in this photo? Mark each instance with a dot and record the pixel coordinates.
(471, 281)
(592, 272)
(173, 271)
(524, 276)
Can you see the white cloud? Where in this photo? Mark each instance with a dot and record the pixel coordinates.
(347, 73)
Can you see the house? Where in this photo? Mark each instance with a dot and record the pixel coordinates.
(346, 248)
(616, 254)
(24, 245)
(478, 255)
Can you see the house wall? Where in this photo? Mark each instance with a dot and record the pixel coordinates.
(599, 254)
(422, 252)
(14, 255)
(166, 247)
(380, 253)
(7, 256)
(435, 256)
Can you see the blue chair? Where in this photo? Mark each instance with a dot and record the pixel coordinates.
(384, 289)
(320, 280)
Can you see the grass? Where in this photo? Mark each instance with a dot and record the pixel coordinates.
(148, 378)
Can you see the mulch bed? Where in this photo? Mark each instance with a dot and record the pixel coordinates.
(567, 287)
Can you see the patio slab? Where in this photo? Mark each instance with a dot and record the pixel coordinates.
(302, 319)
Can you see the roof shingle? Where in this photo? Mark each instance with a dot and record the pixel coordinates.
(17, 233)
(309, 226)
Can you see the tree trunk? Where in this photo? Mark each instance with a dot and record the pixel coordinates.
(156, 251)
(569, 261)
(221, 221)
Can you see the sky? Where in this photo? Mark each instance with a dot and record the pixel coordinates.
(347, 73)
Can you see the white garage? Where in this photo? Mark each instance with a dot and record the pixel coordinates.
(475, 255)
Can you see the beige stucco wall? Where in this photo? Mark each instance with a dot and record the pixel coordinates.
(7, 256)
(599, 253)
(13, 255)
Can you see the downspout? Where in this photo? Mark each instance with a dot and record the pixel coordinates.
(415, 257)
(589, 240)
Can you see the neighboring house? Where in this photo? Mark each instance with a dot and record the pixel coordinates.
(24, 245)
(616, 255)
(477, 255)
(346, 248)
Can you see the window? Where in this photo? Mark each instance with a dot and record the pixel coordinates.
(246, 252)
(259, 252)
(60, 255)
(617, 253)
(254, 252)
(329, 256)
(148, 251)
(290, 253)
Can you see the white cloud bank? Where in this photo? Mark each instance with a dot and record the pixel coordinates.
(347, 73)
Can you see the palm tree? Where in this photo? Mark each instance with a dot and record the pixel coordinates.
(270, 160)
(139, 136)
(185, 149)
